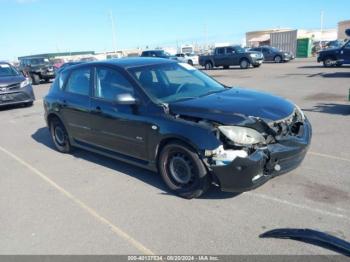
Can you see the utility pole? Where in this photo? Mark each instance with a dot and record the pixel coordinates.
(114, 37)
(206, 36)
(322, 20)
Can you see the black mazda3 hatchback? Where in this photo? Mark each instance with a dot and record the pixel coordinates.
(172, 118)
(14, 87)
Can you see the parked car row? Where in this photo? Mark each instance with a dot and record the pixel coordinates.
(228, 56)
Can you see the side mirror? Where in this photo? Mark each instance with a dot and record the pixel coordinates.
(126, 99)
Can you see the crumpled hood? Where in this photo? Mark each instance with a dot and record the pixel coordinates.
(234, 106)
(10, 80)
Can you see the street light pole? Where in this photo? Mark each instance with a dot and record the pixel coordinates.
(114, 37)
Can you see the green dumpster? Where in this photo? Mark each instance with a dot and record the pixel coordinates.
(304, 47)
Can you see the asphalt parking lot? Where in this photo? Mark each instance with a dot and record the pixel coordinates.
(83, 203)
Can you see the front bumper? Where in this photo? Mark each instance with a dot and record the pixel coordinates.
(17, 96)
(244, 174)
(257, 61)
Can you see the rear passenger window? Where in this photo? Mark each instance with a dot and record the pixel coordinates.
(110, 84)
(62, 79)
(79, 82)
(221, 51)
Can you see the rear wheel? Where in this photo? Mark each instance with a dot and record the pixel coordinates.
(183, 171)
(190, 62)
(60, 136)
(278, 59)
(244, 64)
(208, 65)
(35, 79)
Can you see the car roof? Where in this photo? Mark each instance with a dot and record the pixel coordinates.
(126, 63)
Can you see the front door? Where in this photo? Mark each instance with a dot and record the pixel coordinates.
(345, 53)
(118, 128)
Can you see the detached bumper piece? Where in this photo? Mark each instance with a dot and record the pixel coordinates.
(244, 174)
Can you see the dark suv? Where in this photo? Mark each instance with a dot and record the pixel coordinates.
(335, 56)
(273, 54)
(172, 118)
(37, 68)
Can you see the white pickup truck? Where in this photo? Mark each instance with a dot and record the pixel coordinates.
(190, 59)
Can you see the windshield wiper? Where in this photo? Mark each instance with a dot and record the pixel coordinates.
(213, 92)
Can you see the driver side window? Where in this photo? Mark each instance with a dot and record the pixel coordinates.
(110, 83)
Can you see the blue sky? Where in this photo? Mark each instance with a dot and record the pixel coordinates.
(40, 26)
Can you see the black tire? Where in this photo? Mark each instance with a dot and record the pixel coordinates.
(190, 62)
(278, 59)
(226, 67)
(328, 62)
(35, 79)
(183, 171)
(257, 65)
(208, 65)
(244, 63)
(60, 136)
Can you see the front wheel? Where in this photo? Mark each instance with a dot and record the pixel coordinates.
(60, 136)
(244, 64)
(328, 62)
(35, 79)
(257, 65)
(183, 171)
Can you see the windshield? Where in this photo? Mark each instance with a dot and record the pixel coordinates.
(39, 61)
(174, 82)
(239, 49)
(7, 70)
(275, 49)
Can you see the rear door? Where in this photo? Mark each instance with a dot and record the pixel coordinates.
(117, 128)
(75, 104)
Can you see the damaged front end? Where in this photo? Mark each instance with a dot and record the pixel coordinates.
(258, 150)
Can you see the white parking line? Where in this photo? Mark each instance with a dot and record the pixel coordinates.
(329, 156)
(82, 205)
(285, 202)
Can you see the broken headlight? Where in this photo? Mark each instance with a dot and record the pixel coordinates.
(242, 135)
(300, 113)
